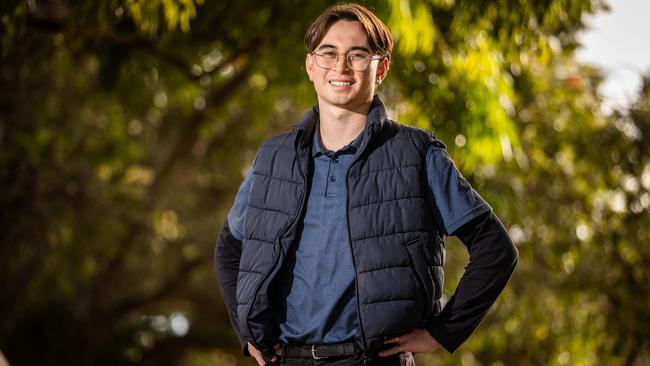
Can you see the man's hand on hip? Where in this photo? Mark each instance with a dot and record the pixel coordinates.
(417, 340)
(259, 357)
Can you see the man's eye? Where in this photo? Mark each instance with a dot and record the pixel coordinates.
(329, 54)
(358, 56)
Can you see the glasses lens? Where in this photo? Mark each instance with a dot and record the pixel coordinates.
(326, 60)
(359, 61)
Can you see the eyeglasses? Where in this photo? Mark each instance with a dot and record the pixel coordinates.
(357, 60)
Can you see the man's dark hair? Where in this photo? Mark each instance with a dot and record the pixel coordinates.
(379, 37)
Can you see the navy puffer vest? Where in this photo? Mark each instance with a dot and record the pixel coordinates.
(396, 246)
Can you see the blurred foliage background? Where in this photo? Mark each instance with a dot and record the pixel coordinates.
(126, 127)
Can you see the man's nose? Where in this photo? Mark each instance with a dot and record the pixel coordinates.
(342, 62)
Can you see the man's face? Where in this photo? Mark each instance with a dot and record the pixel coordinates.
(342, 86)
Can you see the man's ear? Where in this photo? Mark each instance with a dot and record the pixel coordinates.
(309, 65)
(382, 70)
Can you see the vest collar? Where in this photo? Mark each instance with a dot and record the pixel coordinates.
(374, 122)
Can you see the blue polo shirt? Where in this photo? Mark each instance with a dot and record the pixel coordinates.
(317, 302)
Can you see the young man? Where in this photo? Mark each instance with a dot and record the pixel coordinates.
(333, 250)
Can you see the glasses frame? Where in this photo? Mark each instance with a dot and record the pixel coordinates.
(347, 59)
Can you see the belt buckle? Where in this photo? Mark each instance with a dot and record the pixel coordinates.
(313, 353)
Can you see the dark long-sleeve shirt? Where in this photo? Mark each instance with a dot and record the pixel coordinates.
(492, 259)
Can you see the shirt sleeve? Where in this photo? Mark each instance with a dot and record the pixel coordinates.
(455, 202)
(237, 214)
(492, 260)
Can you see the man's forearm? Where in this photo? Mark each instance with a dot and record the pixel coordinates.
(493, 257)
(226, 264)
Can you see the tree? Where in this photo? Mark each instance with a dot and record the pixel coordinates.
(126, 127)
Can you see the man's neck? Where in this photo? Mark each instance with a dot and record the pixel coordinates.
(339, 126)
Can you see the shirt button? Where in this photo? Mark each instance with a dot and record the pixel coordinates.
(332, 178)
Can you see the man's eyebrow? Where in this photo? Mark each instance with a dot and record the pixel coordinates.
(326, 46)
(336, 48)
(361, 48)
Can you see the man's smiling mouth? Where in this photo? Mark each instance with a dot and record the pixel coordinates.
(341, 83)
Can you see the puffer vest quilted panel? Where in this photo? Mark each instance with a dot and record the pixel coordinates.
(395, 242)
(277, 190)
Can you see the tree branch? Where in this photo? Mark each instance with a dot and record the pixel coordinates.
(165, 290)
(189, 134)
(170, 58)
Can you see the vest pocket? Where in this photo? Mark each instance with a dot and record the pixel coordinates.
(438, 276)
(421, 268)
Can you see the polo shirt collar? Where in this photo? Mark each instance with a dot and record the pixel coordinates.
(318, 149)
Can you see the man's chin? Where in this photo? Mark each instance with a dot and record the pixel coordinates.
(345, 102)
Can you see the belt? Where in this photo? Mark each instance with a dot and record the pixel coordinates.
(319, 351)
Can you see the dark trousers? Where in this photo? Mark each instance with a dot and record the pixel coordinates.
(401, 359)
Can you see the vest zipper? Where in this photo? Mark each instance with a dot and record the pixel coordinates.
(354, 264)
(366, 140)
